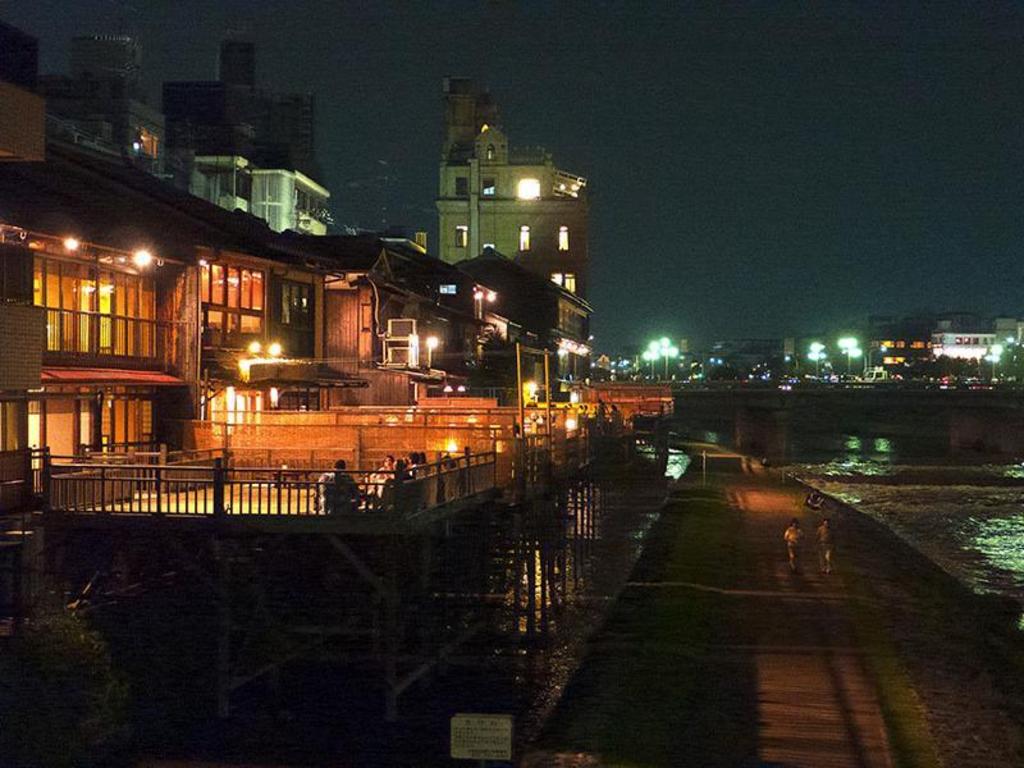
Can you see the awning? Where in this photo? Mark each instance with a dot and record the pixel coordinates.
(109, 376)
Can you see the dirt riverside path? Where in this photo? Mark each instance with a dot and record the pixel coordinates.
(716, 654)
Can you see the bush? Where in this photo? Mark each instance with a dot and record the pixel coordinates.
(61, 701)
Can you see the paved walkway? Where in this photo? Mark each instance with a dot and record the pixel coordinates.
(717, 654)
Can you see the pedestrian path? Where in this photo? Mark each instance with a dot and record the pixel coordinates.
(716, 654)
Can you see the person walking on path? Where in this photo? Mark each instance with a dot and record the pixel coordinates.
(792, 538)
(825, 546)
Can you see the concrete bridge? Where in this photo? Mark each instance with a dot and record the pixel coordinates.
(765, 420)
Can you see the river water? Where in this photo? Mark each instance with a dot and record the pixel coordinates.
(967, 517)
(963, 510)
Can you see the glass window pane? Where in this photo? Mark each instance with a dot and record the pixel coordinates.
(246, 297)
(217, 284)
(251, 324)
(148, 307)
(38, 283)
(257, 290)
(204, 284)
(233, 281)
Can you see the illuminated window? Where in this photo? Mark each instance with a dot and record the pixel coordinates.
(570, 282)
(232, 302)
(296, 304)
(524, 238)
(490, 151)
(488, 187)
(461, 236)
(563, 238)
(528, 189)
(149, 143)
(557, 278)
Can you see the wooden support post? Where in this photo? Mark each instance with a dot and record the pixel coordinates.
(392, 638)
(44, 480)
(223, 599)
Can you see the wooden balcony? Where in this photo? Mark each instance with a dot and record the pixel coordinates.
(74, 336)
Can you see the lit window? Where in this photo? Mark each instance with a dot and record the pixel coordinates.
(528, 189)
(449, 289)
(563, 238)
(488, 187)
(524, 238)
(570, 282)
(490, 151)
(461, 236)
(148, 143)
(557, 278)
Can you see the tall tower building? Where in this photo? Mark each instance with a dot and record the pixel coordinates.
(512, 199)
(108, 58)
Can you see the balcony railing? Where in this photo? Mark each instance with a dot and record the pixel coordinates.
(76, 332)
(210, 488)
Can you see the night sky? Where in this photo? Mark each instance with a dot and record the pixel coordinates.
(754, 171)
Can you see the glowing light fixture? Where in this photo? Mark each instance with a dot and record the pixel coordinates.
(431, 342)
(255, 348)
(528, 189)
(491, 296)
(70, 244)
(142, 258)
(275, 350)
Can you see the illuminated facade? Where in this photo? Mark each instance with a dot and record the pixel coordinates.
(513, 200)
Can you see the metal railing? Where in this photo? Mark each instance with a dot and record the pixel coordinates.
(73, 331)
(217, 490)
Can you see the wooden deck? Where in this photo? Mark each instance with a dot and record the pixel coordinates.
(286, 500)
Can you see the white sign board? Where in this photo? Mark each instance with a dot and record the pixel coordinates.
(482, 737)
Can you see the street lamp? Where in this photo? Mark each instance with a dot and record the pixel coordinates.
(817, 354)
(850, 346)
(662, 348)
(995, 352)
(650, 356)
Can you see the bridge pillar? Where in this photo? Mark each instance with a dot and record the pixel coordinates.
(763, 432)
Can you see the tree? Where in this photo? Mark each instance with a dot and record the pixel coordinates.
(62, 703)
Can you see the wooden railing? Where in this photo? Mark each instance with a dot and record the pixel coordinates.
(72, 331)
(214, 489)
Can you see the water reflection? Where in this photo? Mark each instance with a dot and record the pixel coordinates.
(967, 519)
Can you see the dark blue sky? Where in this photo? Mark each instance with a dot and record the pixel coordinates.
(755, 170)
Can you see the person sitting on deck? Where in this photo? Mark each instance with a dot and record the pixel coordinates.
(339, 491)
(379, 478)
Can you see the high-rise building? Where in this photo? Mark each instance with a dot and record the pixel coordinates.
(514, 200)
(102, 103)
(109, 58)
(246, 148)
